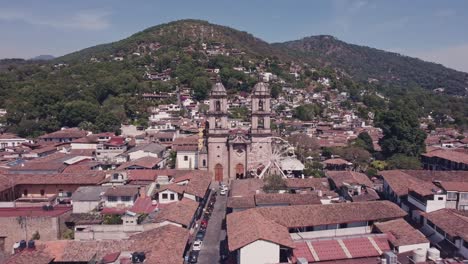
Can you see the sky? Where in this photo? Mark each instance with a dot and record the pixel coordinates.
(432, 30)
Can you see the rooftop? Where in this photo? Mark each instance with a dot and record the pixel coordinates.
(401, 233)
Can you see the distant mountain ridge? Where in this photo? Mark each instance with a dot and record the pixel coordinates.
(370, 64)
(43, 57)
(359, 62)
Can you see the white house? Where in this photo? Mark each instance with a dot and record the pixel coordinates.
(87, 198)
(120, 196)
(8, 140)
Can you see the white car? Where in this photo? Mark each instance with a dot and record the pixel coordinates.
(222, 192)
(197, 245)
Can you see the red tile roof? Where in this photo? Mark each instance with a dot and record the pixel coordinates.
(33, 211)
(241, 234)
(402, 233)
(455, 156)
(144, 162)
(181, 212)
(350, 177)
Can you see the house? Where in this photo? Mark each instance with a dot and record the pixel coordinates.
(337, 164)
(181, 213)
(353, 186)
(187, 152)
(147, 150)
(448, 230)
(87, 198)
(149, 163)
(121, 196)
(403, 237)
(110, 150)
(193, 185)
(270, 234)
(8, 140)
(442, 159)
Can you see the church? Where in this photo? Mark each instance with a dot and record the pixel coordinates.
(234, 153)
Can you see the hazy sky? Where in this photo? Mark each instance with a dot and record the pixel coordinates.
(429, 29)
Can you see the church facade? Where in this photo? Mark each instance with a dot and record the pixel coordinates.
(234, 153)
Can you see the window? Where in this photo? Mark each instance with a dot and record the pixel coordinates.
(440, 198)
(465, 244)
(218, 106)
(452, 196)
(185, 158)
(344, 225)
(164, 196)
(42, 192)
(260, 105)
(126, 198)
(25, 192)
(463, 196)
(172, 196)
(204, 163)
(111, 198)
(261, 123)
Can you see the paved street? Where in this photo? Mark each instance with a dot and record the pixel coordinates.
(214, 235)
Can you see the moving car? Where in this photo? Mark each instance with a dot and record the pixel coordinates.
(197, 245)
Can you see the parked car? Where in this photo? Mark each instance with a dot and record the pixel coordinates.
(193, 257)
(197, 245)
(200, 235)
(204, 223)
(222, 192)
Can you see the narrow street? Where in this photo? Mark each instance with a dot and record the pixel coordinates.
(210, 252)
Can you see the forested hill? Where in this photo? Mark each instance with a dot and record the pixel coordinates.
(370, 64)
(100, 87)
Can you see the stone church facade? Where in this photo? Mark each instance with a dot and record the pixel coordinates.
(233, 154)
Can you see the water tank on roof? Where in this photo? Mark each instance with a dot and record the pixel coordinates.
(433, 254)
(22, 244)
(419, 255)
(31, 244)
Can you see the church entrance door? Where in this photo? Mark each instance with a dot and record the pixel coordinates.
(239, 171)
(219, 172)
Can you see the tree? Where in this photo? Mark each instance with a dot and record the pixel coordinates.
(304, 145)
(364, 141)
(307, 112)
(75, 112)
(201, 88)
(107, 122)
(276, 90)
(402, 134)
(273, 183)
(400, 161)
(358, 156)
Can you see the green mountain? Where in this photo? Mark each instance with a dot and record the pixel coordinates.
(100, 87)
(369, 64)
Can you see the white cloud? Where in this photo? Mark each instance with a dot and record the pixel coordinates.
(81, 20)
(455, 57)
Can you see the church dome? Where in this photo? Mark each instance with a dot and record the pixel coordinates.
(261, 89)
(218, 89)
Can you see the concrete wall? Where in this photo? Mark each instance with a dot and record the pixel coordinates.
(81, 207)
(259, 252)
(332, 231)
(407, 248)
(141, 154)
(431, 205)
(15, 229)
(83, 145)
(102, 232)
(190, 163)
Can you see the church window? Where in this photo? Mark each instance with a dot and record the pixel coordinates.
(204, 163)
(261, 123)
(260, 105)
(218, 106)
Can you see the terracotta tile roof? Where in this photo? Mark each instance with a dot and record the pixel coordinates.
(402, 233)
(314, 215)
(198, 185)
(263, 199)
(315, 183)
(455, 156)
(241, 202)
(186, 147)
(245, 187)
(84, 178)
(453, 223)
(164, 245)
(65, 133)
(142, 175)
(172, 187)
(442, 176)
(455, 186)
(401, 183)
(143, 205)
(33, 211)
(30, 256)
(144, 162)
(259, 227)
(181, 212)
(350, 177)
